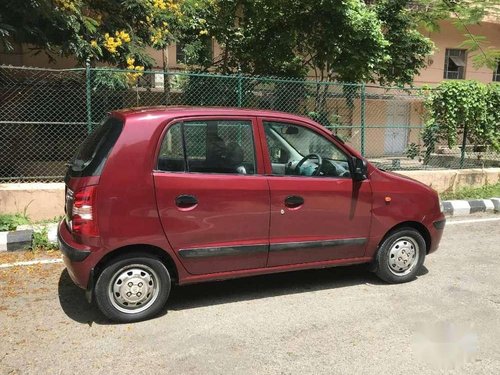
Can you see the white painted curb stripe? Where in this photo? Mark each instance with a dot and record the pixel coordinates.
(30, 263)
(489, 205)
(3, 241)
(460, 207)
(471, 221)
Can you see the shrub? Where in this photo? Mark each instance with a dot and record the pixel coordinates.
(9, 222)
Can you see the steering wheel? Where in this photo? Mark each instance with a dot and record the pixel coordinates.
(307, 157)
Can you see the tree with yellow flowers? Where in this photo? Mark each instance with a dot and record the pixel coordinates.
(112, 31)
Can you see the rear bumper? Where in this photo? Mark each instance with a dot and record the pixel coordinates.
(79, 259)
(72, 253)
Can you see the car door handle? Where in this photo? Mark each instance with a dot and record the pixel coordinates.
(185, 201)
(294, 201)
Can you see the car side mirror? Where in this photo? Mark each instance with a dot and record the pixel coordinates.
(360, 169)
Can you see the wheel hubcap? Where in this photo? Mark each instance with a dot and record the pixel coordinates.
(133, 288)
(403, 256)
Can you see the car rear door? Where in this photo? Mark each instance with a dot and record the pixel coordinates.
(212, 196)
(313, 218)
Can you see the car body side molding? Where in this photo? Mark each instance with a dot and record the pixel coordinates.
(247, 249)
(317, 244)
(222, 250)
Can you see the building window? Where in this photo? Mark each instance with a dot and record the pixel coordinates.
(496, 72)
(454, 63)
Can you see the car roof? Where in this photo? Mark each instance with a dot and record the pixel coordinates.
(166, 112)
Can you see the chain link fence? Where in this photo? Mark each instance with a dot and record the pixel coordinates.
(45, 114)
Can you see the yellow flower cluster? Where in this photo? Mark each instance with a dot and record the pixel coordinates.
(66, 4)
(204, 32)
(171, 5)
(93, 43)
(159, 4)
(132, 77)
(124, 36)
(112, 43)
(158, 35)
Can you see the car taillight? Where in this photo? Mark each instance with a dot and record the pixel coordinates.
(83, 215)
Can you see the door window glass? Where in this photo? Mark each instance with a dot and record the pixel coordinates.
(214, 146)
(296, 150)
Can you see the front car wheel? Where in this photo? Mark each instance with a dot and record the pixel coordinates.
(400, 256)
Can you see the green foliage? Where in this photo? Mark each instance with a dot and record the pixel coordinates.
(41, 241)
(407, 49)
(109, 80)
(112, 31)
(413, 151)
(456, 107)
(344, 41)
(9, 222)
(483, 192)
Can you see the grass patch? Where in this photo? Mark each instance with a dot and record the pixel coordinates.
(10, 222)
(483, 192)
(41, 241)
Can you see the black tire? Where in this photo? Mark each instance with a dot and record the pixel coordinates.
(390, 262)
(132, 288)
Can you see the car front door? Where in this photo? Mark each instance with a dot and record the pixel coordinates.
(212, 196)
(318, 212)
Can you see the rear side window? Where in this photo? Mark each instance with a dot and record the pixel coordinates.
(214, 146)
(92, 154)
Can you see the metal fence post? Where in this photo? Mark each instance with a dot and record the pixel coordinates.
(240, 89)
(363, 118)
(88, 97)
(462, 152)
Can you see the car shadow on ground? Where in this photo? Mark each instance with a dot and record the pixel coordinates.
(74, 304)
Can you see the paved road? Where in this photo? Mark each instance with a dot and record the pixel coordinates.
(336, 321)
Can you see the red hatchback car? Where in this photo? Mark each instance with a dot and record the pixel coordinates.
(157, 196)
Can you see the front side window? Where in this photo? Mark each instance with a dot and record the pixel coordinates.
(213, 146)
(299, 151)
(454, 63)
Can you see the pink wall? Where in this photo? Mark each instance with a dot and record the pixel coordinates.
(450, 37)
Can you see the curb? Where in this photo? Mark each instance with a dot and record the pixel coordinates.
(15, 240)
(467, 207)
(22, 238)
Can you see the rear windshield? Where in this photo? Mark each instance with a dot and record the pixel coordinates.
(92, 154)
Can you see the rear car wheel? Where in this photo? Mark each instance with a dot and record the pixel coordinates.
(133, 288)
(400, 256)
